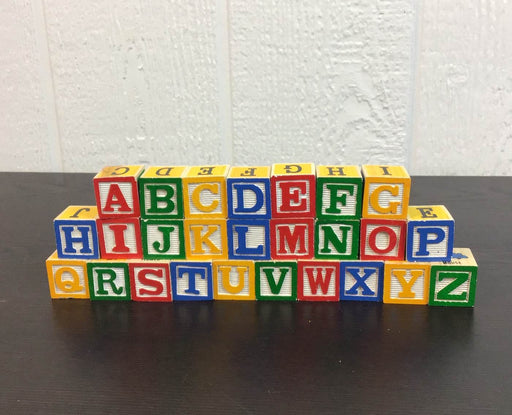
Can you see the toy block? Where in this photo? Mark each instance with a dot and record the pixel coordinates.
(318, 280)
(386, 192)
(204, 192)
(117, 193)
(76, 232)
(406, 282)
(161, 192)
(339, 192)
(382, 239)
(337, 239)
(150, 281)
(191, 281)
(120, 238)
(453, 283)
(430, 234)
(233, 280)
(248, 190)
(206, 239)
(108, 280)
(292, 239)
(162, 239)
(248, 239)
(67, 278)
(361, 280)
(276, 281)
(293, 188)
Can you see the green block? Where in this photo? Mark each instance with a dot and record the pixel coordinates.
(276, 280)
(337, 239)
(108, 280)
(162, 239)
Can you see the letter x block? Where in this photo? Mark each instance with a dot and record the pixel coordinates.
(150, 281)
(67, 278)
(248, 191)
(292, 239)
(191, 281)
(120, 238)
(162, 239)
(248, 239)
(453, 283)
(406, 282)
(233, 280)
(362, 280)
(382, 239)
(276, 281)
(337, 239)
(318, 281)
(108, 280)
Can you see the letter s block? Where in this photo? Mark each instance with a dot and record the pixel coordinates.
(150, 281)
(248, 191)
(67, 278)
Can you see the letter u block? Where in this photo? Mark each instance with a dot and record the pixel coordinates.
(233, 280)
(120, 238)
(206, 239)
(406, 282)
(67, 278)
(162, 239)
(108, 280)
(191, 281)
(248, 239)
(117, 192)
(276, 281)
(292, 239)
(337, 239)
(362, 280)
(293, 190)
(318, 281)
(248, 190)
(150, 281)
(386, 192)
(382, 239)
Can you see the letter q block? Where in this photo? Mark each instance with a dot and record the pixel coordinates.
(67, 278)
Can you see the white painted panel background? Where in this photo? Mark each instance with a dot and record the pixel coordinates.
(427, 84)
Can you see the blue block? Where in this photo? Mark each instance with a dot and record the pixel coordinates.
(362, 280)
(430, 241)
(191, 281)
(248, 198)
(77, 239)
(248, 239)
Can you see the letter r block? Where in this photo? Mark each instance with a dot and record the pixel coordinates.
(191, 281)
(150, 281)
(318, 281)
(233, 280)
(361, 280)
(276, 281)
(382, 239)
(248, 190)
(67, 278)
(406, 282)
(120, 238)
(108, 280)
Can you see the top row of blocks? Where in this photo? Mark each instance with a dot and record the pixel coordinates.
(298, 190)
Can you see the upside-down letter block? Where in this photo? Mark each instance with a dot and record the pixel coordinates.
(276, 280)
(293, 190)
(339, 192)
(318, 280)
(382, 239)
(67, 278)
(150, 281)
(206, 239)
(191, 281)
(248, 190)
(162, 239)
(76, 233)
(248, 239)
(117, 192)
(233, 280)
(453, 283)
(120, 238)
(361, 280)
(292, 239)
(430, 234)
(337, 239)
(161, 193)
(406, 282)
(108, 280)
(386, 192)
(204, 192)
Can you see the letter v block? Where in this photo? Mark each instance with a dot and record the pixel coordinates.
(162, 239)
(120, 238)
(361, 280)
(67, 278)
(248, 239)
(150, 281)
(276, 281)
(108, 280)
(248, 190)
(406, 282)
(233, 280)
(191, 281)
(318, 281)
(292, 239)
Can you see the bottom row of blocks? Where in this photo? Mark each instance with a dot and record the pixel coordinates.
(444, 283)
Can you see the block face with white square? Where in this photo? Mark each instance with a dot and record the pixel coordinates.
(76, 233)
(292, 239)
(406, 282)
(382, 239)
(362, 280)
(453, 283)
(276, 280)
(248, 239)
(233, 280)
(386, 192)
(293, 189)
(120, 238)
(67, 278)
(248, 191)
(337, 239)
(206, 239)
(150, 281)
(339, 192)
(162, 239)
(191, 281)
(117, 192)
(430, 233)
(318, 280)
(108, 280)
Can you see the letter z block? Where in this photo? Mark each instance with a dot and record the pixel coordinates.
(318, 281)
(67, 278)
(206, 239)
(248, 191)
(120, 238)
(382, 239)
(233, 280)
(150, 281)
(248, 239)
(406, 282)
(337, 239)
(108, 280)
(162, 239)
(191, 281)
(362, 280)
(276, 281)
(292, 239)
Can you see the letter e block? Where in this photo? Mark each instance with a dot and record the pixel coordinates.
(406, 282)
(162, 239)
(276, 281)
(318, 281)
(361, 280)
(292, 239)
(150, 281)
(337, 239)
(248, 239)
(108, 280)
(67, 278)
(382, 239)
(233, 280)
(248, 191)
(191, 281)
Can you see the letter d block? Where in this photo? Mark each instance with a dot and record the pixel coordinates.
(120, 238)
(276, 281)
(67, 278)
(248, 191)
(191, 281)
(108, 280)
(382, 239)
(233, 280)
(361, 280)
(406, 282)
(150, 281)
(318, 281)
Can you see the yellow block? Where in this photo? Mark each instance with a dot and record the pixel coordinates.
(79, 212)
(406, 282)
(206, 239)
(338, 171)
(375, 171)
(280, 169)
(204, 192)
(233, 280)
(426, 212)
(249, 172)
(67, 278)
(207, 171)
(163, 172)
(120, 171)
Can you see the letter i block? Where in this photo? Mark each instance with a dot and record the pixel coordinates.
(382, 239)
(292, 239)
(453, 283)
(206, 239)
(108, 280)
(117, 192)
(276, 281)
(293, 190)
(76, 233)
(191, 281)
(386, 192)
(318, 281)
(204, 192)
(248, 191)
(161, 193)
(162, 239)
(150, 281)
(406, 282)
(362, 280)
(233, 280)
(339, 192)
(430, 234)
(248, 239)
(337, 239)
(67, 278)
(120, 238)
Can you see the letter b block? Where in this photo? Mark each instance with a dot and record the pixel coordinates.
(67, 278)
(248, 191)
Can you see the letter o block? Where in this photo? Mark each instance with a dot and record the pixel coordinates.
(382, 239)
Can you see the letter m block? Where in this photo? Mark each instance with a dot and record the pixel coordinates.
(292, 239)
(67, 278)
(318, 281)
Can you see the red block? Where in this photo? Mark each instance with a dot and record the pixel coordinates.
(150, 281)
(120, 238)
(292, 238)
(318, 281)
(383, 239)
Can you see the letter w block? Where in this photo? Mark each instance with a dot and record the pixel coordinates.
(318, 281)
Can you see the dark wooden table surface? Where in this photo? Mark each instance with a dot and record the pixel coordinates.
(77, 356)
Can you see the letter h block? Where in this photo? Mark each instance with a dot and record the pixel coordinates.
(362, 280)
(191, 281)
(406, 282)
(150, 281)
(318, 281)
(67, 278)
(248, 191)
(108, 280)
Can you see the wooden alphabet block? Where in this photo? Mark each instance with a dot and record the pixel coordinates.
(406, 282)
(337, 239)
(150, 281)
(276, 281)
(233, 280)
(162, 239)
(318, 281)
(430, 234)
(293, 190)
(191, 281)
(76, 233)
(248, 239)
(248, 190)
(206, 239)
(292, 239)
(120, 238)
(117, 192)
(382, 239)
(108, 280)
(67, 278)
(339, 192)
(453, 283)
(386, 192)
(362, 280)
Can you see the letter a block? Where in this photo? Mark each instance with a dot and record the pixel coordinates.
(453, 283)
(120, 238)
(382, 239)
(150, 281)
(206, 239)
(108, 280)
(337, 239)
(117, 192)
(406, 282)
(318, 281)
(233, 280)
(248, 239)
(67, 278)
(276, 281)
(430, 234)
(361, 280)
(386, 192)
(248, 191)
(191, 281)
(292, 239)
(162, 239)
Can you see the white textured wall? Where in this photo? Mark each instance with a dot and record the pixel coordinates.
(426, 84)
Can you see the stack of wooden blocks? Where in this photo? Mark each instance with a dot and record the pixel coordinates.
(286, 232)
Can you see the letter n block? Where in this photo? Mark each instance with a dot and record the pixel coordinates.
(67, 278)
(191, 281)
(233, 280)
(337, 239)
(162, 239)
(453, 283)
(206, 239)
(276, 281)
(248, 191)
(382, 239)
(318, 281)
(108, 280)
(406, 282)
(362, 280)
(120, 238)
(248, 239)
(150, 281)
(117, 192)
(292, 239)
